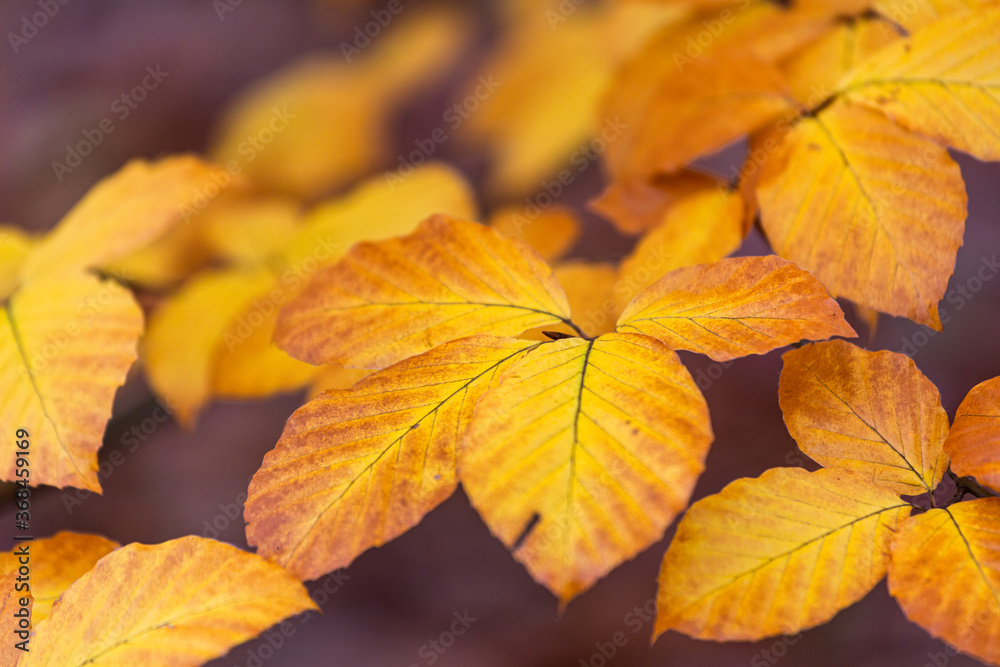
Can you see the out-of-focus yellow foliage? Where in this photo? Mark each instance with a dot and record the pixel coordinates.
(323, 122)
(230, 353)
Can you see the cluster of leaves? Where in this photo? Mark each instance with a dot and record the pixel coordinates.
(438, 351)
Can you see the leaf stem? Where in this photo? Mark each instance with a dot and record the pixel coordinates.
(969, 485)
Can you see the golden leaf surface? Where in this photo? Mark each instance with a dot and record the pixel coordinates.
(552, 232)
(122, 213)
(15, 245)
(974, 440)
(177, 604)
(66, 344)
(776, 554)
(10, 604)
(943, 82)
(56, 562)
(871, 412)
(359, 467)
(637, 205)
(736, 307)
(945, 574)
(391, 300)
(584, 453)
(877, 213)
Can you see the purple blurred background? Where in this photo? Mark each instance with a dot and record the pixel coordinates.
(392, 602)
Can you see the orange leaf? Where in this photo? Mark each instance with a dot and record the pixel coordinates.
(584, 453)
(701, 228)
(390, 300)
(11, 625)
(56, 562)
(739, 306)
(875, 212)
(357, 468)
(637, 205)
(691, 112)
(915, 15)
(974, 440)
(177, 604)
(776, 554)
(871, 412)
(943, 82)
(66, 344)
(552, 232)
(945, 573)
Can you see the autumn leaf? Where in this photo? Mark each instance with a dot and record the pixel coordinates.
(66, 344)
(915, 15)
(11, 625)
(944, 573)
(736, 307)
(590, 290)
(56, 562)
(877, 213)
(552, 232)
(943, 82)
(179, 359)
(322, 122)
(703, 227)
(871, 412)
(122, 213)
(637, 205)
(180, 603)
(356, 468)
(776, 554)
(248, 229)
(692, 111)
(974, 440)
(390, 300)
(584, 453)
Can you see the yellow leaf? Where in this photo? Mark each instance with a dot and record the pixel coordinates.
(186, 333)
(249, 229)
(380, 208)
(814, 72)
(915, 15)
(11, 625)
(248, 364)
(165, 262)
(123, 213)
(584, 453)
(776, 554)
(736, 307)
(637, 205)
(871, 412)
(943, 82)
(945, 574)
(688, 112)
(390, 300)
(180, 603)
(703, 227)
(322, 122)
(552, 232)
(66, 344)
(56, 562)
(15, 246)
(357, 468)
(974, 440)
(877, 213)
